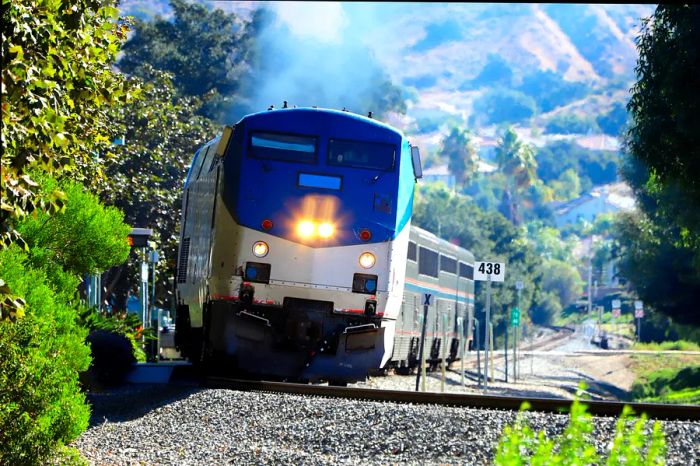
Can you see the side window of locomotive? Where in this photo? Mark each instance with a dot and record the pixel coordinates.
(448, 264)
(412, 254)
(427, 262)
(205, 157)
(284, 147)
(466, 271)
(361, 154)
(196, 161)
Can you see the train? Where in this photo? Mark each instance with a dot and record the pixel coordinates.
(297, 258)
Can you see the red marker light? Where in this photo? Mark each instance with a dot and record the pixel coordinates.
(365, 235)
(266, 224)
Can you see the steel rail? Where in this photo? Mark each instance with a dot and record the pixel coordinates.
(553, 405)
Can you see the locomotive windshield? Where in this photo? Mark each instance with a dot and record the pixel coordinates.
(285, 147)
(358, 154)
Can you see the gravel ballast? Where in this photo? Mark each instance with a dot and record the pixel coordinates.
(193, 426)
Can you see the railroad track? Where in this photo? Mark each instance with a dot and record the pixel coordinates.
(552, 405)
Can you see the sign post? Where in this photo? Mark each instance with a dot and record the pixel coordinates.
(487, 326)
(515, 323)
(516, 368)
(638, 314)
(478, 349)
(488, 272)
(426, 304)
(616, 313)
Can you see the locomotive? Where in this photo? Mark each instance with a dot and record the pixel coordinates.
(297, 258)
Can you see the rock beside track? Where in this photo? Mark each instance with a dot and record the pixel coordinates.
(203, 426)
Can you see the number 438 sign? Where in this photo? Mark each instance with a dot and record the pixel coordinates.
(496, 270)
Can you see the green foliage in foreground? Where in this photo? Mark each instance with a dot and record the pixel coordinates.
(41, 354)
(41, 405)
(520, 445)
(669, 386)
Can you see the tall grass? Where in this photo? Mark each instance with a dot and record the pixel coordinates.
(631, 444)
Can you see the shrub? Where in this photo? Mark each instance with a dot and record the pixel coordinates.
(41, 406)
(112, 357)
(42, 353)
(520, 445)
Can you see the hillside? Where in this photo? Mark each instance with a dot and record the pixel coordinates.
(456, 61)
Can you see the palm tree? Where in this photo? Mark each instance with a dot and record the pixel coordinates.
(461, 155)
(517, 161)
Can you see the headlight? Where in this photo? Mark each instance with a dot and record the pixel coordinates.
(260, 249)
(367, 260)
(305, 229)
(326, 230)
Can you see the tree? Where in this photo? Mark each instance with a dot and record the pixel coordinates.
(517, 161)
(205, 50)
(662, 269)
(145, 175)
(57, 84)
(503, 105)
(551, 90)
(665, 104)
(568, 186)
(489, 236)
(459, 150)
(659, 248)
(562, 280)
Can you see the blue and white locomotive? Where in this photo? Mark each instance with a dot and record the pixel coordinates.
(295, 236)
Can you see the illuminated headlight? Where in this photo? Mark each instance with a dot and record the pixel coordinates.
(305, 229)
(326, 230)
(367, 260)
(260, 249)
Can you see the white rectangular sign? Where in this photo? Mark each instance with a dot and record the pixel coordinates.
(616, 304)
(638, 305)
(484, 270)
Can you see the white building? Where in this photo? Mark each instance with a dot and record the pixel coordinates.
(614, 197)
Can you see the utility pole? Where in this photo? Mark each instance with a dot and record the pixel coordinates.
(590, 278)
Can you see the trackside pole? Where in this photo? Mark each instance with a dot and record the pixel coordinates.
(491, 366)
(444, 350)
(487, 349)
(426, 304)
(505, 353)
(478, 350)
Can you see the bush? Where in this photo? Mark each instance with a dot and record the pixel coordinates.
(41, 405)
(660, 385)
(42, 353)
(112, 357)
(520, 445)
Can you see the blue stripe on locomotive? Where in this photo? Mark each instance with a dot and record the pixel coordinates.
(257, 189)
